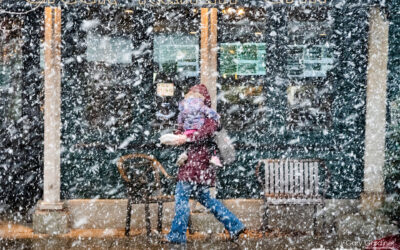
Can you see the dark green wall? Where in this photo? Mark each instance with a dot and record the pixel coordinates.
(21, 138)
(392, 171)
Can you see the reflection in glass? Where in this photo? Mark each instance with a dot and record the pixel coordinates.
(242, 67)
(309, 60)
(242, 59)
(108, 49)
(10, 69)
(242, 106)
(175, 53)
(109, 104)
(309, 106)
(309, 54)
(109, 69)
(312, 61)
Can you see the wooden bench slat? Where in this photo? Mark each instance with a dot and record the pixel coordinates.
(276, 173)
(291, 177)
(305, 201)
(281, 180)
(271, 180)
(287, 177)
(316, 175)
(267, 177)
(306, 180)
(296, 177)
(301, 177)
(288, 196)
(312, 179)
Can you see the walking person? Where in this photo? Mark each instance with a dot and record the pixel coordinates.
(196, 175)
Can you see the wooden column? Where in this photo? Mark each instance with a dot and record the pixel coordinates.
(52, 109)
(375, 125)
(209, 52)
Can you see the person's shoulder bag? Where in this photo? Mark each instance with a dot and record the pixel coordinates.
(225, 146)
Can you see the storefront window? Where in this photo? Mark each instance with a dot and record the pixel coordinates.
(242, 106)
(176, 60)
(310, 58)
(242, 67)
(310, 106)
(242, 59)
(109, 60)
(177, 54)
(10, 69)
(108, 49)
(176, 44)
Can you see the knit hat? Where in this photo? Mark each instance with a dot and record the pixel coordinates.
(202, 89)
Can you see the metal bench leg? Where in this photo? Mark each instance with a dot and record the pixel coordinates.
(128, 217)
(147, 214)
(265, 219)
(190, 224)
(160, 215)
(323, 218)
(314, 219)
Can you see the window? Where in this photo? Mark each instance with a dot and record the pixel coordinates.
(242, 67)
(175, 53)
(242, 59)
(309, 61)
(176, 60)
(108, 49)
(310, 58)
(109, 72)
(10, 69)
(309, 106)
(242, 106)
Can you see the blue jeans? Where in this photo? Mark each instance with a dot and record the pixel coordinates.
(202, 194)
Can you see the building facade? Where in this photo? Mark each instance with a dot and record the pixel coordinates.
(85, 82)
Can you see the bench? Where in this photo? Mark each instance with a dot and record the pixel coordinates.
(291, 182)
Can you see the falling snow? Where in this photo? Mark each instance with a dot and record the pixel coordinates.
(312, 86)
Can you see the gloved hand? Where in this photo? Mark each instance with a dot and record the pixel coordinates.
(215, 161)
(181, 159)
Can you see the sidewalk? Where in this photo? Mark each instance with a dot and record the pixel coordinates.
(18, 236)
(99, 224)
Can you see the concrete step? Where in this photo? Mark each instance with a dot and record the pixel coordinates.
(337, 215)
(112, 214)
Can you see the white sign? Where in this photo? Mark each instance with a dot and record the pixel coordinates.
(165, 89)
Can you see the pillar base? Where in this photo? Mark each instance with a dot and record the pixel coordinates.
(42, 205)
(371, 200)
(50, 219)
